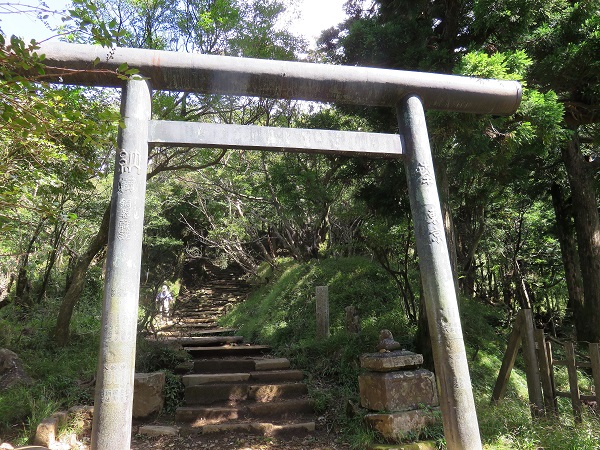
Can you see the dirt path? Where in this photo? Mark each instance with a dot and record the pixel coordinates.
(319, 440)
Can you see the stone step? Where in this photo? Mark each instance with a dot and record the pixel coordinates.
(227, 350)
(203, 340)
(190, 315)
(197, 308)
(264, 376)
(208, 394)
(191, 323)
(254, 427)
(214, 331)
(237, 365)
(283, 410)
(189, 328)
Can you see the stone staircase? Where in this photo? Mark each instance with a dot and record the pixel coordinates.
(231, 385)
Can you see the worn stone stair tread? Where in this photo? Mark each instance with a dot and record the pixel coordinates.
(198, 319)
(203, 340)
(225, 350)
(240, 364)
(256, 376)
(214, 331)
(207, 324)
(208, 394)
(282, 409)
(271, 428)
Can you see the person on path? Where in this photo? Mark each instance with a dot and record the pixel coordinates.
(164, 299)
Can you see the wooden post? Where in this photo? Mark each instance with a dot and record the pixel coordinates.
(452, 370)
(550, 360)
(545, 368)
(573, 384)
(534, 386)
(322, 294)
(595, 357)
(508, 362)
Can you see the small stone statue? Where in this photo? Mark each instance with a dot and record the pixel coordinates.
(387, 342)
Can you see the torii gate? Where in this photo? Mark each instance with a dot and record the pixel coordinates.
(408, 92)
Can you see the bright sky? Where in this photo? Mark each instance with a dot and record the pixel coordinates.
(314, 16)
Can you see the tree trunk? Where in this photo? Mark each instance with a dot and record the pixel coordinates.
(61, 332)
(23, 287)
(58, 232)
(444, 193)
(587, 227)
(568, 249)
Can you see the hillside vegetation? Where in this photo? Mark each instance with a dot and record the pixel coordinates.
(281, 313)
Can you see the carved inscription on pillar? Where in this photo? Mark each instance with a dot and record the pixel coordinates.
(123, 229)
(127, 212)
(434, 227)
(129, 161)
(114, 373)
(122, 331)
(116, 395)
(126, 185)
(424, 176)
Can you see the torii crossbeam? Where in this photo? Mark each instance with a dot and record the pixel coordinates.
(408, 92)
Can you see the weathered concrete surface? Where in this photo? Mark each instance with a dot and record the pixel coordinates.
(158, 430)
(449, 356)
(203, 394)
(395, 426)
(11, 370)
(397, 391)
(214, 74)
(206, 378)
(350, 143)
(148, 398)
(391, 361)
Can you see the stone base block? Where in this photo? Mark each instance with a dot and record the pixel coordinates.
(158, 430)
(390, 361)
(148, 396)
(395, 426)
(397, 391)
(46, 432)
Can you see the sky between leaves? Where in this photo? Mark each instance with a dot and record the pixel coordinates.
(308, 18)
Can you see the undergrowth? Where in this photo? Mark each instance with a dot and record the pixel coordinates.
(62, 376)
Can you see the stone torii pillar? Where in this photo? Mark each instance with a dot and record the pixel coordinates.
(116, 362)
(449, 356)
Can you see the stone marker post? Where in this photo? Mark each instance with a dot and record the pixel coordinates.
(452, 371)
(111, 429)
(322, 293)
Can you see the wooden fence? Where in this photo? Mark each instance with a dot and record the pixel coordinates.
(540, 365)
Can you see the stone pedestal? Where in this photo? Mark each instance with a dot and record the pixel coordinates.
(148, 398)
(397, 391)
(403, 395)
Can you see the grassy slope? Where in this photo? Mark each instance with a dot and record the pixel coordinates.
(281, 313)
